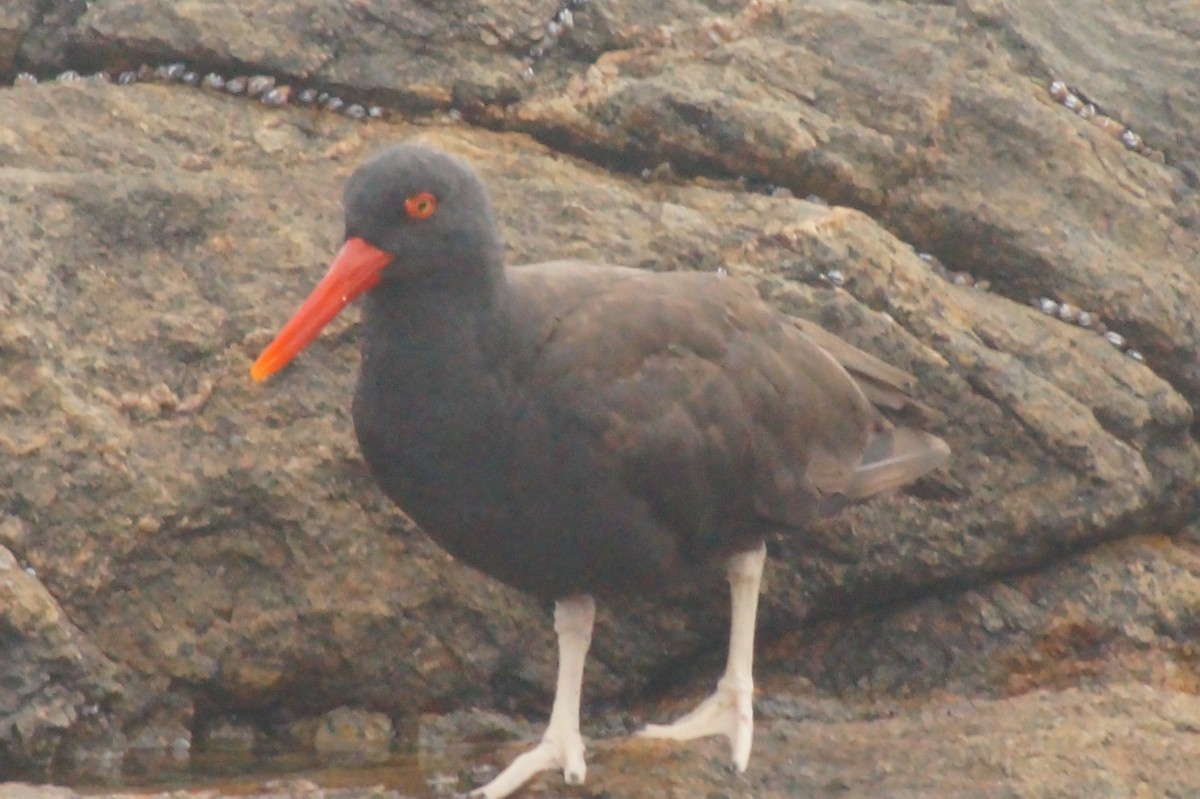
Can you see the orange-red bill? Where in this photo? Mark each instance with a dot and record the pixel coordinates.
(356, 269)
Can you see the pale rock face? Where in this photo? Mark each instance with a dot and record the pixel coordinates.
(207, 549)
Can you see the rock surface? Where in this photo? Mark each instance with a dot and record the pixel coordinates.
(203, 549)
(56, 686)
(1125, 740)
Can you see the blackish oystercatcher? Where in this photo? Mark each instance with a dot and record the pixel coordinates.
(578, 429)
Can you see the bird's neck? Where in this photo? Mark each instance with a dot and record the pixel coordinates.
(434, 381)
(414, 322)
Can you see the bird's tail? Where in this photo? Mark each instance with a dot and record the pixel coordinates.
(895, 457)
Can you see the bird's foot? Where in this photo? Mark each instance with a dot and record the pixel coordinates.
(558, 750)
(729, 712)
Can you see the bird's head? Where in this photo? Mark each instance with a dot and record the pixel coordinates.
(414, 216)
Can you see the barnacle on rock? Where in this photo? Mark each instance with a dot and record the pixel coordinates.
(259, 84)
(834, 277)
(170, 72)
(262, 87)
(560, 23)
(1068, 312)
(1132, 140)
(1075, 101)
(277, 95)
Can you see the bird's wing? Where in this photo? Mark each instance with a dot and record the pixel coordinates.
(886, 386)
(713, 407)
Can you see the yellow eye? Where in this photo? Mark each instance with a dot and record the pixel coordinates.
(420, 206)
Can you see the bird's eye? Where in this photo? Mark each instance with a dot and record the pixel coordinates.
(420, 206)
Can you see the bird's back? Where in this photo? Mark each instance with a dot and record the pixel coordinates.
(716, 413)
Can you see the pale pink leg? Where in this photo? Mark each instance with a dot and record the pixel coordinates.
(562, 745)
(730, 709)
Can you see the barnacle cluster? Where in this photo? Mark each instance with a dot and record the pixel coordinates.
(263, 88)
(957, 278)
(1077, 316)
(1063, 311)
(559, 25)
(1075, 100)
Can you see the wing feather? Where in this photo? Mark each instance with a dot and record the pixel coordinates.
(716, 409)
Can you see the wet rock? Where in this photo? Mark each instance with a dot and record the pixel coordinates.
(128, 454)
(230, 736)
(354, 733)
(18, 790)
(1119, 741)
(46, 31)
(1126, 610)
(16, 19)
(941, 157)
(57, 687)
(436, 733)
(396, 48)
(222, 548)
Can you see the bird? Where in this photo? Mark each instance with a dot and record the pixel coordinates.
(581, 430)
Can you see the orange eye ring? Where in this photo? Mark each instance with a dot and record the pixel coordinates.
(420, 206)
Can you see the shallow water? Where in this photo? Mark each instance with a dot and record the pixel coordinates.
(234, 773)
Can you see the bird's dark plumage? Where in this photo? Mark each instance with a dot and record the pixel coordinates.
(584, 429)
